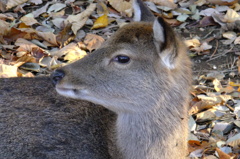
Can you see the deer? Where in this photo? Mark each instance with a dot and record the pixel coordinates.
(38, 123)
(142, 73)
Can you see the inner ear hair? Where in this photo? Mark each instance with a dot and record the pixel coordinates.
(165, 42)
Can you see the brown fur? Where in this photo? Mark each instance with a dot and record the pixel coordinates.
(37, 123)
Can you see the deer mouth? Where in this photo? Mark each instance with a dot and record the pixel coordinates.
(71, 92)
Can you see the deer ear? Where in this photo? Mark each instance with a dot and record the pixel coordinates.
(141, 12)
(165, 42)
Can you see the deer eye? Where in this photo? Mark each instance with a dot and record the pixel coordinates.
(121, 59)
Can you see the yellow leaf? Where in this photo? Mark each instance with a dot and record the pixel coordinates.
(234, 84)
(73, 56)
(231, 16)
(7, 71)
(101, 22)
(217, 85)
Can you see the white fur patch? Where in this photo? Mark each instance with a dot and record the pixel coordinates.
(166, 58)
(158, 32)
(137, 11)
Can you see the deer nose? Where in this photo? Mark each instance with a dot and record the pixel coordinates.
(56, 76)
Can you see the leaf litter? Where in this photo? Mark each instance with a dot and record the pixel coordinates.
(38, 36)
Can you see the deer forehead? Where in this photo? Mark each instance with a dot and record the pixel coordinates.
(135, 32)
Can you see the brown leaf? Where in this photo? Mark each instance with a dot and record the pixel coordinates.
(223, 2)
(29, 19)
(206, 21)
(28, 47)
(49, 37)
(64, 37)
(13, 35)
(93, 41)
(195, 145)
(4, 27)
(223, 155)
(122, 6)
(24, 59)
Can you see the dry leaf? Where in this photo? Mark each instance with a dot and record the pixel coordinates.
(24, 45)
(4, 27)
(14, 3)
(79, 20)
(217, 85)
(237, 40)
(231, 16)
(122, 6)
(49, 37)
(93, 41)
(101, 22)
(230, 35)
(41, 10)
(36, 2)
(223, 155)
(166, 3)
(29, 19)
(56, 7)
(24, 59)
(7, 71)
(71, 48)
(192, 43)
(223, 2)
(63, 37)
(75, 55)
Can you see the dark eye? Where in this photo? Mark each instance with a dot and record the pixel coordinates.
(122, 59)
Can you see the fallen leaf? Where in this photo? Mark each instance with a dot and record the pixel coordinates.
(192, 43)
(49, 37)
(80, 19)
(14, 3)
(63, 37)
(223, 2)
(4, 27)
(223, 155)
(56, 7)
(24, 59)
(231, 36)
(166, 3)
(75, 55)
(101, 21)
(122, 6)
(93, 41)
(7, 71)
(29, 19)
(41, 10)
(231, 16)
(237, 40)
(36, 2)
(217, 85)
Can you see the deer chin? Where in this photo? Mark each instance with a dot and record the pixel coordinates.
(71, 92)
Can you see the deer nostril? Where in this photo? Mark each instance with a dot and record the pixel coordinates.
(56, 76)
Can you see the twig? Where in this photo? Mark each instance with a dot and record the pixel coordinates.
(221, 54)
(214, 50)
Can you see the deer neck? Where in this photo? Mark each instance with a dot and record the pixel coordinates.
(142, 135)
